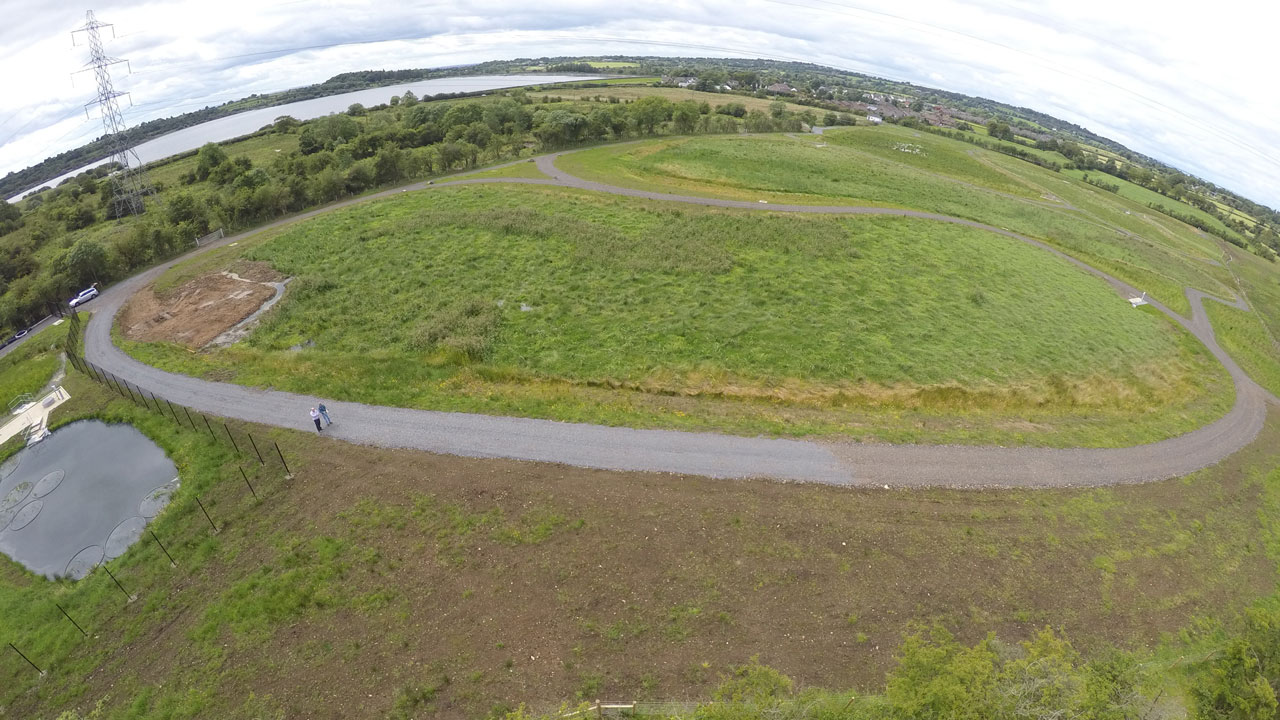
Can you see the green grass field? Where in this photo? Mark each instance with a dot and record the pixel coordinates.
(566, 304)
(29, 367)
(898, 167)
(1146, 197)
(262, 150)
(619, 89)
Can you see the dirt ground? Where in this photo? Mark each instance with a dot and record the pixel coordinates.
(202, 309)
(455, 587)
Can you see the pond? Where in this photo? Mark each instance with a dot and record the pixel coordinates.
(81, 496)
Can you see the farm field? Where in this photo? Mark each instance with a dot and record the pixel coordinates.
(621, 585)
(898, 167)
(566, 304)
(1146, 197)
(619, 89)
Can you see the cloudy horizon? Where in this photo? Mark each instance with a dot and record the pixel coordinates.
(1186, 87)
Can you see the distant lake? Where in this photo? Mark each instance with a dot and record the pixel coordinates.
(234, 126)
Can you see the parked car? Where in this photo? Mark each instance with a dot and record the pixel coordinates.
(21, 333)
(84, 297)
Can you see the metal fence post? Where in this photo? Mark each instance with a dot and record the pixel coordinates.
(231, 437)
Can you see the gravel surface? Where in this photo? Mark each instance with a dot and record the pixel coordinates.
(706, 454)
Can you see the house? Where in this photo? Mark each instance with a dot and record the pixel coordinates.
(780, 88)
(874, 120)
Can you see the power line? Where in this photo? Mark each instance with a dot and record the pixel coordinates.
(129, 185)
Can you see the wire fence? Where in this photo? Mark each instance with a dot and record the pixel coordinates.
(218, 429)
(247, 448)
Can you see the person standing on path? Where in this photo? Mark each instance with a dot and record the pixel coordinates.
(325, 414)
(315, 418)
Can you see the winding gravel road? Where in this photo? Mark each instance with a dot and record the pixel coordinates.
(706, 454)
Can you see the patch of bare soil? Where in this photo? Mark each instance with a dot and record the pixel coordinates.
(470, 586)
(202, 309)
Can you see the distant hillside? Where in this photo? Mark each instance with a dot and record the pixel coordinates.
(806, 83)
(44, 171)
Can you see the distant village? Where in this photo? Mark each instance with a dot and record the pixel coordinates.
(876, 106)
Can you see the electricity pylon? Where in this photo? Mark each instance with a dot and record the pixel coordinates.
(129, 184)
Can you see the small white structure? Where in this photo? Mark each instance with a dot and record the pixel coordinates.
(1138, 300)
(31, 418)
(874, 120)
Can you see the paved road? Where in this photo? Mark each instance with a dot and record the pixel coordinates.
(705, 453)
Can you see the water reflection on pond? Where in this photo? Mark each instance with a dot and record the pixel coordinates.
(81, 496)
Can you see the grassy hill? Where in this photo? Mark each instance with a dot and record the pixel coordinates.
(899, 167)
(578, 306)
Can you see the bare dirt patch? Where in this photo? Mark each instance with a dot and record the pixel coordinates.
(201, 309)
(392, 583)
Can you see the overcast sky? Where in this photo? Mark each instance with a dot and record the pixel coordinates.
(1188, 83)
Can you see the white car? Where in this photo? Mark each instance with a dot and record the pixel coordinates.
(84, 297)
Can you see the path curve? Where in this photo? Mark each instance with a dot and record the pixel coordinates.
(709, 454)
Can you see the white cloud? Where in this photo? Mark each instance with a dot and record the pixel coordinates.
(1181, 83)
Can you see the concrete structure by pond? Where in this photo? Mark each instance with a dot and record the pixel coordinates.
(83, 495)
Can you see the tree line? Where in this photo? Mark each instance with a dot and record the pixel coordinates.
(58, 243)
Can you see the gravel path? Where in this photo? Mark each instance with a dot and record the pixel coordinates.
(702, 453)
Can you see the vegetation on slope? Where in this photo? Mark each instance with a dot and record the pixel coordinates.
(898, 168)
(573, 305)
(394, 562)
(62, 240)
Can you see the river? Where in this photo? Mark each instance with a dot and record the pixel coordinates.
(244, 123)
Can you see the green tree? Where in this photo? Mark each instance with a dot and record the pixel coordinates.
(649, 112)
(285, 124)
(777, 109)
(360, 176)
(209, 157)
(734, 109)
(684, 116)
(326, 185)
(389, 165)
(84, 263)
(560, 127)
(184, 208)
(758, 122)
